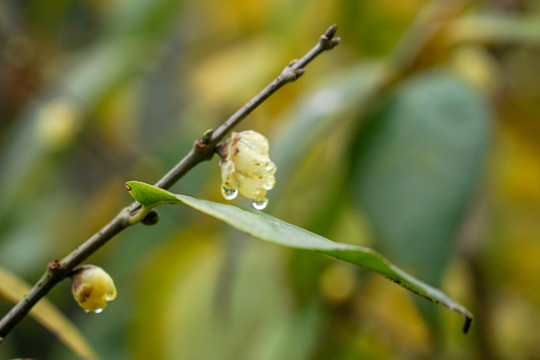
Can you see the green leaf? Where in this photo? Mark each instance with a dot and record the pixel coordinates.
(13, 289)
(415, 171)
(268, 228)
(417, 168)
(148, 195)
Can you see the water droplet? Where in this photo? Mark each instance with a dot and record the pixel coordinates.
(270, 167)
(268, 185)
(260, 205)
(229, 194)
(97, 311)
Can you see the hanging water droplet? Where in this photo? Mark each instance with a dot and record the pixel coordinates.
(97, 311)
(260, 205)
(229, 194)
(270, 166)
(268, 185)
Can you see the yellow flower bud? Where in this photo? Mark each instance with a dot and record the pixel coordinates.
(92, 287)
(246, 167)
(57, 123)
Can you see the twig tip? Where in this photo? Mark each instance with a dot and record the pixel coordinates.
(331, 31)
(327, 39)
(467, 325)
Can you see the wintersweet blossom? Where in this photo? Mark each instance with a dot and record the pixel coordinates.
(246, 167)
(92, 287)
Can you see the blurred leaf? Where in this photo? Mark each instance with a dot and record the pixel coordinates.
(139, 28)
(496, 29)
(49, 127)
(14, 289)
(187, 311)
(417, 165)
(145, 17)
(318, 111)
(268, 228)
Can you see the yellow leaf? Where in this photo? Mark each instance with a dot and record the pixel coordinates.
(13, 289)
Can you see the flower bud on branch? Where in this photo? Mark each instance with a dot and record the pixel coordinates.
(246, 167)
(92, 287)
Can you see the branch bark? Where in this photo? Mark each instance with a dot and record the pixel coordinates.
(202, 150)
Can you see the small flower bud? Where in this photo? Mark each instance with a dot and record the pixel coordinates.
(92, 287)
(246, 167)
(152, 218)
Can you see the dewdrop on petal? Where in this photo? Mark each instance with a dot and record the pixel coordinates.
(92, 287)
(246, 167)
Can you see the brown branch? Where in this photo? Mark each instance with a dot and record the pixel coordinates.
(202, 150)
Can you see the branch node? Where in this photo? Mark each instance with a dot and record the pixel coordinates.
(204, 150)
(327, 39)
(207, 136)
(290, 73)
(204, 141)
(203, 145)
(57, 268)
(200, 144)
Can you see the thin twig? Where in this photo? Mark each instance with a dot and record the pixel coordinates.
(202, 150)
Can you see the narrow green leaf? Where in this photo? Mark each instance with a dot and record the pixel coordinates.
(268, 228)
(416, 168)
(13, 289)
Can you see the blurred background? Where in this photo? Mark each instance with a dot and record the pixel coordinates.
(419, 136)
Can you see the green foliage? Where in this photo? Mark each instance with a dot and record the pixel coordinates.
(271, 229)
(97, 92)
(416, 167)
(149, 196)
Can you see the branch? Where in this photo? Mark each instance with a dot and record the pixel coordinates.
(202, 150)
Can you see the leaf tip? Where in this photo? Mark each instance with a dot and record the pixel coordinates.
(467, 325)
